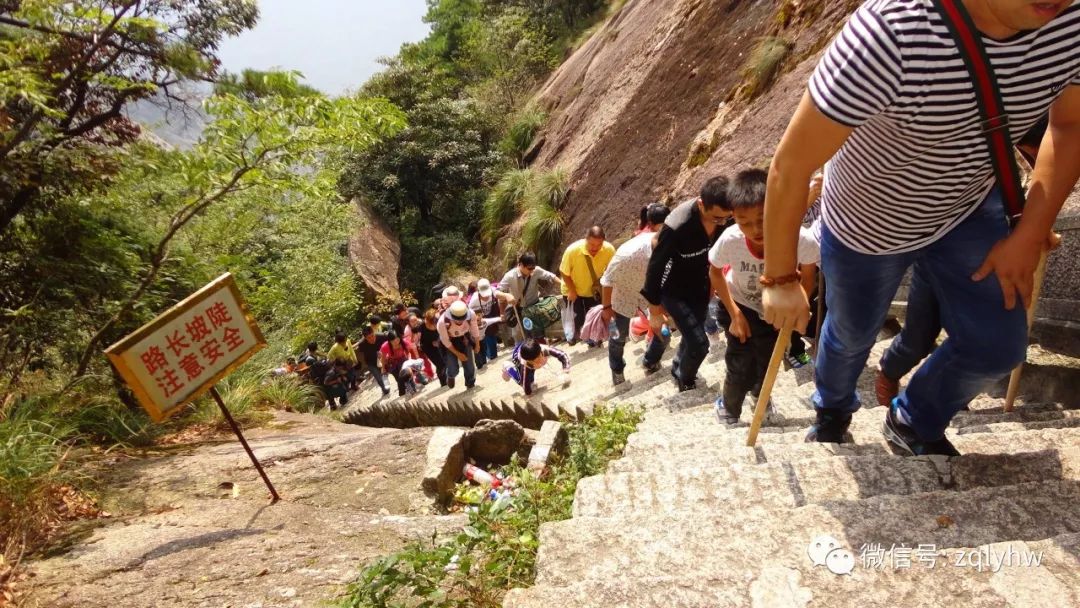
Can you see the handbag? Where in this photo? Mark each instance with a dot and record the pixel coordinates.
(995, 122)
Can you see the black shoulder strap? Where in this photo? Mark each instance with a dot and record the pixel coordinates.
(995, 122)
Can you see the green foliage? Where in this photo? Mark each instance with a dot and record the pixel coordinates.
(544, 222)
(506, 202)
(70, 68)
(763, 65)
(32, 448)
(522, 132)
(459, 88)
(243, 396)
(253, 85)
(496, 551)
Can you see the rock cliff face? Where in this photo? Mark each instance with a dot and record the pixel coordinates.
(659, 81)
(375, 254)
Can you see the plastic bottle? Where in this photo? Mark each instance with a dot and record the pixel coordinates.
(613, 330)
(664, 331)
(480, 476)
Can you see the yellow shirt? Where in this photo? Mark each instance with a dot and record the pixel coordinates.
(574, 266)
(346, 352)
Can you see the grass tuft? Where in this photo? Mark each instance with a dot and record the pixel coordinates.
(764, 65)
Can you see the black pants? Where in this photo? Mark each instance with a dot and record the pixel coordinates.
(747, 362)
(581, 308)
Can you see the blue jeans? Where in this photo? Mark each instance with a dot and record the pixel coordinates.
(985, 341)
(452, 365)
(689, 317)
(616, 346)
(922, 324)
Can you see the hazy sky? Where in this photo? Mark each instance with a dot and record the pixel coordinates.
(334, 43)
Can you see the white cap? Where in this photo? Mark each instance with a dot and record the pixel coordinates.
(483, 287)
(459, 310)
(451, 292)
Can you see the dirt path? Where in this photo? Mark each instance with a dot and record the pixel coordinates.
(177, 537)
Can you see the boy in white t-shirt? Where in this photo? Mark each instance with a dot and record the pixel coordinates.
(738, 261)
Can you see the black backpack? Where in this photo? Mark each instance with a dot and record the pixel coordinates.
(318, 371)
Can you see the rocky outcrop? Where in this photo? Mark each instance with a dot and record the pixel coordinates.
(375, 254)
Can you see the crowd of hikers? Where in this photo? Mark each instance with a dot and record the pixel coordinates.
(900, 160)
(644, 290)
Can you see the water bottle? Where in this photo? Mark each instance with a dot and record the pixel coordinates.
(480, 476)
(664, 331)
(613, 330)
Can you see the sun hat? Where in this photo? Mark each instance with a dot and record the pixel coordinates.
(459, 311)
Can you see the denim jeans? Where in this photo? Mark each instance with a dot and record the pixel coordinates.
(985, 341)
(616, 346)
(689, 317)
(922, 324)
(452, 365)
(712, 326)
(489, 349)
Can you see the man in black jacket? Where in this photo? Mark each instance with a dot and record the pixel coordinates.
(677, 281)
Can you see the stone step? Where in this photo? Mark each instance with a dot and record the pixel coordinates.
(865, 428)
(771, 583)
(702, 419)
(706, 488)
(736, 541)
(666, 460)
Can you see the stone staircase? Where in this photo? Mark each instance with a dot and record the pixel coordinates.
(494, 398)
(691, 516)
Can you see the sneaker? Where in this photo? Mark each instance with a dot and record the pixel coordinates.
(885, 389)
(450, 382)
(385, 392)
(617, 378)
(831, 427)
(688, 386)
(723, 416)
(903, 437)
(506, 371)
(797, 361)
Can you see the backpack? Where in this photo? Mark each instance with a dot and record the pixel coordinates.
(318, 371)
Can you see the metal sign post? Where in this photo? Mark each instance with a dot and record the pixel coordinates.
(243, 442)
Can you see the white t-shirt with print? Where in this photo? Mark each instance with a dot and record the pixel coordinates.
(742, 268)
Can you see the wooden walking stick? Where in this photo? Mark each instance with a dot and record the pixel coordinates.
(1014, 378)
(781, 347)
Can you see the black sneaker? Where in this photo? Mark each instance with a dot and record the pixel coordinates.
(450, 382)
(903, 437)
(687, 386)
(617, 378)
(831, 427)
(650, 368)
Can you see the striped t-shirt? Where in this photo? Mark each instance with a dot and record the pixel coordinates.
(917, 164)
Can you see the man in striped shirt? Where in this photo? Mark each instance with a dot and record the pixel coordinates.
(910, 184)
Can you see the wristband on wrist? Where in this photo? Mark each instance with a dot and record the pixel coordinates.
(767, 281)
